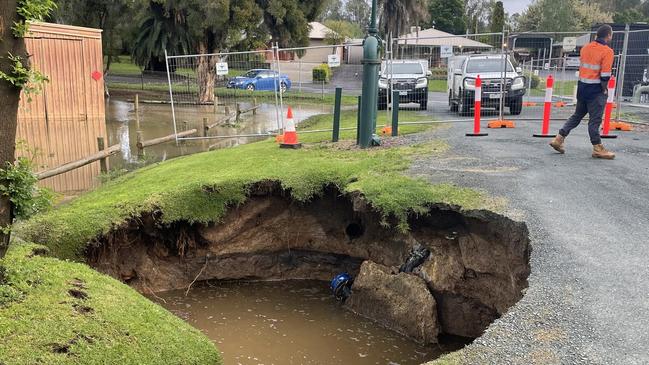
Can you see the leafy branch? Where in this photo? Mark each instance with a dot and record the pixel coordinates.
(31, 10)
(19, 183)
(28, 80)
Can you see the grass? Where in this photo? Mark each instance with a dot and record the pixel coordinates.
(562, 88)
(199, 188)
(438, 86)
(42, 323)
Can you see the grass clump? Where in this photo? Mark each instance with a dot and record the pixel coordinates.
(201, 187)
(59, 312)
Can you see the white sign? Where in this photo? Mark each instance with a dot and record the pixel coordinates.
(569, 44)
(546, 66)
(333, 60)
(446, 51)
(536, 72)
(222, 68)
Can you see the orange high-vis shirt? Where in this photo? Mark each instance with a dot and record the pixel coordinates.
(596, 63)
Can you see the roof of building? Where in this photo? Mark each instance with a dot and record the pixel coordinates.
(318, 30)
(436, 37)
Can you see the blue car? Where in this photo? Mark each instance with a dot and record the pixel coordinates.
(260, 79)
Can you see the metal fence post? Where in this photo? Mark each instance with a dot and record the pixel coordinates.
(395, 113)
(620, 84)
(336, 131)
(358, 119)
(171, 96)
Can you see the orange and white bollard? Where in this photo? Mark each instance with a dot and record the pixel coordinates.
(290, 134)
(477, 110)
(545, 129)
(606, 127)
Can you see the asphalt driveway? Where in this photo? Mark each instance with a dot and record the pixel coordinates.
(588, 295)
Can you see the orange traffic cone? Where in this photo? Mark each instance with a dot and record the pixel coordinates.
(290, 135)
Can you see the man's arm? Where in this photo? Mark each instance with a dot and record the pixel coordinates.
(607, 69)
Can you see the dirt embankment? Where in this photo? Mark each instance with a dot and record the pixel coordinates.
(477, 268)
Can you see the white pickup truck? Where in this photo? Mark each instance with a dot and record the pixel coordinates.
(462, 73)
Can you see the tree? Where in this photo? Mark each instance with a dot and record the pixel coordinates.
(562, 16)
(498, 17)
(447, 15)
(477, 14)
(341, 30)
(15, 75)
(358, 12)
(397, 15)
(107, 15)
(162, 29)
(332, 10)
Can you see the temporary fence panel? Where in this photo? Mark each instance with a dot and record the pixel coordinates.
(433, 75)
(226, 95)
(633, 98)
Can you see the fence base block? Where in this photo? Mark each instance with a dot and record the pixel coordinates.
(291, 146)
(501, 124)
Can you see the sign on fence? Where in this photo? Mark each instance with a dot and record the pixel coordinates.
(222, 68)
(333, 60)
(569, 44)
(446, 51)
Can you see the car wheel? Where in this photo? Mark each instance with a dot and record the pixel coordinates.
(516, 106)
(451, 104)
(250, 87)
(463, 107)
(423, 104)
(283, 87)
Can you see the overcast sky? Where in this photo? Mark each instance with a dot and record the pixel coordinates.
(515, 6)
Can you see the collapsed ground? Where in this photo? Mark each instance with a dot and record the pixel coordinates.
(199, 190)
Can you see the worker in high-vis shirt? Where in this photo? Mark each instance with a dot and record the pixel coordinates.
(594, 72)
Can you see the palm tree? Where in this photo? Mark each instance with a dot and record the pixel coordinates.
(396, 16)
(163, 28)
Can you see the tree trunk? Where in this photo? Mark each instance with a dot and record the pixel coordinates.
(206, 75)
(9, 98)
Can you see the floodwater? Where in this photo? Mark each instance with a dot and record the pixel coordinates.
(291, 322)
(155, 120)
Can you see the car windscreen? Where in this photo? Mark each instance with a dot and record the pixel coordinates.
(487, 65)
(251, 74)
(405, 68)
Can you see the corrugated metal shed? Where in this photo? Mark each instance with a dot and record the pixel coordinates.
(64, 121)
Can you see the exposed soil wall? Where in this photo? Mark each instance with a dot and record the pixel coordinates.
(478, 266)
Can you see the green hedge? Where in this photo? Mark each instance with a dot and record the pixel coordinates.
(322, 73)
(536, 80)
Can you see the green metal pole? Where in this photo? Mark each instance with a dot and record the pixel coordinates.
(371, 63)
(395, 113)
(358, 120)
(336, 132)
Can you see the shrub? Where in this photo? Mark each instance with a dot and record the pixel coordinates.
(322, 73)
(536, 80)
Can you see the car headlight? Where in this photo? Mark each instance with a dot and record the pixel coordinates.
(422, 82)
(383, 83)
(519, 83)
(469, 84)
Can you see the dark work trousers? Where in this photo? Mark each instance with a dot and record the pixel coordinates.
(595, 109)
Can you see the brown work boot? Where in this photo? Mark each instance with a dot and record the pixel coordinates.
(600, 152)
(557, 143)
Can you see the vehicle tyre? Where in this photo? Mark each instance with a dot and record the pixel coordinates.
(423, 104)
(516, 106)
(451, 104)
(283, 87)
(383, 103)
(250, 87)
(463, 107)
